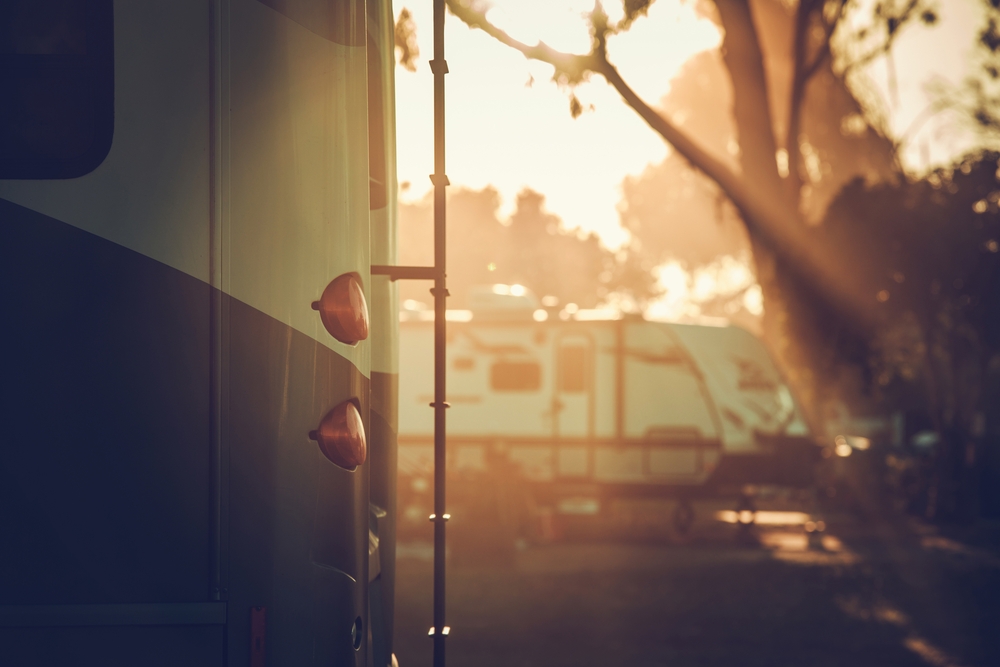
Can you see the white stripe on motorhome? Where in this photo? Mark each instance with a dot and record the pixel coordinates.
(151, 193)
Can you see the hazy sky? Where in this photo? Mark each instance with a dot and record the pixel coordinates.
(509, 125)
(505, 133)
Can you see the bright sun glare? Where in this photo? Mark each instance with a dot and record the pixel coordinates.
(509, 124)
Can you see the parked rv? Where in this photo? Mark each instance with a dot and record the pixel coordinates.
(588, 403)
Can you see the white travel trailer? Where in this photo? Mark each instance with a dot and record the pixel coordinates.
(585, 400)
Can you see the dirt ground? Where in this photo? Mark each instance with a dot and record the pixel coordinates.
(866, 592)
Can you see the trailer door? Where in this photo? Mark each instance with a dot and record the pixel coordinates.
(573, 389)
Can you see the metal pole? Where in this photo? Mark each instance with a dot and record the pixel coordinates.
(440, 291)
(620, 382)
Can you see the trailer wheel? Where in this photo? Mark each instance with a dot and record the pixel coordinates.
(746, 511)
(746, 519)
(683, 517)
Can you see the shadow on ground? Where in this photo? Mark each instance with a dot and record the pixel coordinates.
(876, 594)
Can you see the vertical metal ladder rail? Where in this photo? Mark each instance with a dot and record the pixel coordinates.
(439, 67)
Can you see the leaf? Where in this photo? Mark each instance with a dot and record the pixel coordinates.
(990, 36)
(405, 39)
(633, 10)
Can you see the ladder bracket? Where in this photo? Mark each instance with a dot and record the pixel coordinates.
(444, 631)
(404, 272)
(439, 66)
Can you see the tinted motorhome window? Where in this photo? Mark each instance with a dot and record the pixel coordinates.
(56, 87)
(516, 376)
(753, 377)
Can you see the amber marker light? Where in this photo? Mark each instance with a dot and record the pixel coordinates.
(341, 436)
(344, 310)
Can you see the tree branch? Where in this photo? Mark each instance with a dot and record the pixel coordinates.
(867, 58)
(810, 70)
(803, 72)
(893, 23)
(572, 66)
(824, 50)
(699, 158)
(576, 67)
(751, 106)
(766, 217)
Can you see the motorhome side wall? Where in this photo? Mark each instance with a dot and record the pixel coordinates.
(384, 307)
(617, 401)
(159, 483)
(747, 389)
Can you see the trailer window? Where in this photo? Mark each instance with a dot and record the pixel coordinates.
(753, 377)
(56, 87)
(573, 369)
(516, 376)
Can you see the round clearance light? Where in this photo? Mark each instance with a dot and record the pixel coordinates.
(341, 436)
(344, 310)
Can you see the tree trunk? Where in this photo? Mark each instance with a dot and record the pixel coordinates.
(755, 132)
(742, 55)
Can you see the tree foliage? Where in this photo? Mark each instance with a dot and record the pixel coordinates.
(405, 40)
(978, 98)
(895, 278)
(768, 200)
(935, 244)
(787, 98)
(931, 258)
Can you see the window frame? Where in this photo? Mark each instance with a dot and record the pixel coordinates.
(98, 66)
(514, 388)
